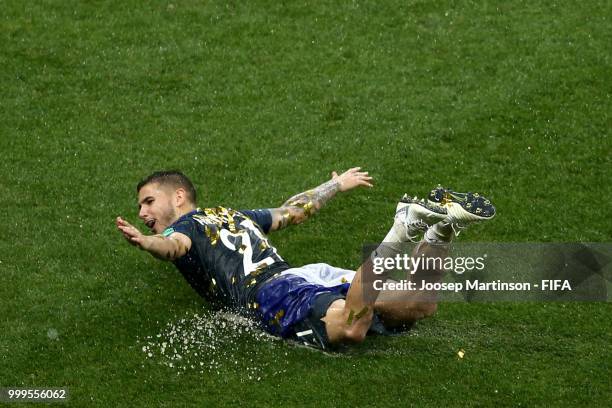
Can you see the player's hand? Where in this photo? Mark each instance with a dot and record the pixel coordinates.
(131, 233)
(352, 178)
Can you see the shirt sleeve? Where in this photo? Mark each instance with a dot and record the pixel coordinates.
(262, 217)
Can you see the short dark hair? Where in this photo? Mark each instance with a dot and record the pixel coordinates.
(173, 178)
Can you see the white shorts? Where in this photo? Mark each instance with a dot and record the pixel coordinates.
(322, 274)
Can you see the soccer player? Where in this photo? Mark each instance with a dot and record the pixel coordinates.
(225, 255)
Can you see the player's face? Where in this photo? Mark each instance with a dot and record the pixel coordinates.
(156, 205)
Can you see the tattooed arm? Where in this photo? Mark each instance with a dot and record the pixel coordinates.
(302, 206)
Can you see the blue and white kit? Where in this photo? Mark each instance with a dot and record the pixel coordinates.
(232, 264)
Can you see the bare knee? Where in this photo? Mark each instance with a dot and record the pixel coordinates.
(355, 334)
(429, 309)
(423, 310)
(345, 327)
(399, 314)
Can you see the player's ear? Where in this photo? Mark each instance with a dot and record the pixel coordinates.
(180, 196)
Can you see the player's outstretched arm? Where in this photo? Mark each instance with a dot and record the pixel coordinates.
(165, 248)
(302, 206)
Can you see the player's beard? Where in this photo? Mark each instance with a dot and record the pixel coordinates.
(168, 217)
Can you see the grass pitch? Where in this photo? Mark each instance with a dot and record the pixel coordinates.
(256, 102)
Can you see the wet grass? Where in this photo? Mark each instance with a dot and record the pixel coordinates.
(259, 101)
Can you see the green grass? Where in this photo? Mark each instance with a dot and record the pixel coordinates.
(261, 100)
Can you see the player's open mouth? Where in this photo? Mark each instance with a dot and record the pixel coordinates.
(150, 223)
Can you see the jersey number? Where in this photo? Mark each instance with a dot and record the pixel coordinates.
(247, 256)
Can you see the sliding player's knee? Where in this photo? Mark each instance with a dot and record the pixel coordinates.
(357, 327)
(428, 309)
(417, 311)
(344, 325)
(355, 334)
(339, 331)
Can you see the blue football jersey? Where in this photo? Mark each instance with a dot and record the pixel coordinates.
(230, 256)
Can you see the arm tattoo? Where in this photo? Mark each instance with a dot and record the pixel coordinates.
(301, 206)
(285, 218)
(312, 200)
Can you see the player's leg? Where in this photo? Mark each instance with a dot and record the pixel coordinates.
(401, 307)
(348, 320)
(398, 307)
(395, 307)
